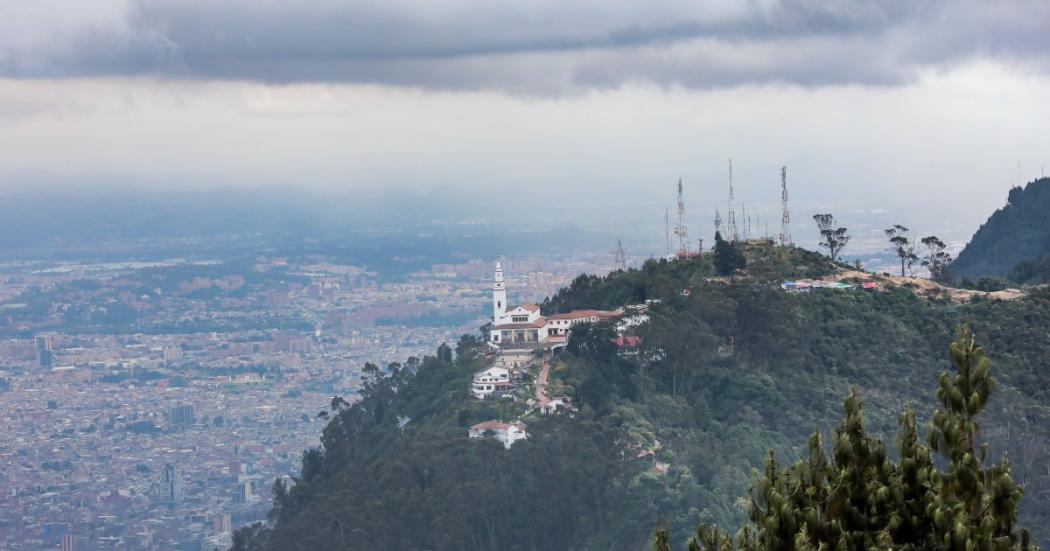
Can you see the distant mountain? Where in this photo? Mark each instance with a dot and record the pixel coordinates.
(1018, 232)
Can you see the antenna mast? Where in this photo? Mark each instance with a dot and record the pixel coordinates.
(680, 230)
(621, 256)
(731, 223)
(718, 221)
(785, 217)
(667, 231)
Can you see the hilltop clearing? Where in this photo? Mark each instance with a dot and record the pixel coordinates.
(926, 287)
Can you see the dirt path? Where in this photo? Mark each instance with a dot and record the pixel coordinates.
(541, 385)
(926, 286)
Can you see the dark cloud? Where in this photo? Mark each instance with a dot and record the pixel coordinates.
(531, 47)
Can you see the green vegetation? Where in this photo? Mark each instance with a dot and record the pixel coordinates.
(727, 256)
(860, 498)
(1018, 232)
(673, 435)
(1032, 272)
(832, 237)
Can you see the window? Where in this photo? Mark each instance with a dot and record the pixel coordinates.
(499, 304)
(519, 319)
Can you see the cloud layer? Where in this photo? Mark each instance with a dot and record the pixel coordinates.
(542, 46)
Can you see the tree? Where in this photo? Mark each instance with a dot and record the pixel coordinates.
(727, 256)
(902, 246)
(936, 259)
(833, 238)
(861, 499)
(444, 353)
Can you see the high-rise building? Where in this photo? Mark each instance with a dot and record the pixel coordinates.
(45, 356)
(244, 491)
(171, 490)
(69, 543)
(181, 416)
(220, 524)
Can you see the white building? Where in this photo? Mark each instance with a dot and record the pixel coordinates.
(507, 433)
(523, 326)
(490, 380)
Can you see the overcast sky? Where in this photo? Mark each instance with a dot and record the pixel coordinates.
(872, 105)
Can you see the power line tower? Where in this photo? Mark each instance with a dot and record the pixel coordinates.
(621, 256)
(680, 229)
(785, 217)
(731, 223)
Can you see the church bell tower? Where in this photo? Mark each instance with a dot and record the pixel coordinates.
(499, 294)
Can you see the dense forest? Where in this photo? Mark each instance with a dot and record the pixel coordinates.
(1018, 232)
(730, 369)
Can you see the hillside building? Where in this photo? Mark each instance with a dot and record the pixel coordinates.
(492, 380)
(523, 326)
(507, 433)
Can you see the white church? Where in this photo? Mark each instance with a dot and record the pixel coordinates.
(523, 326)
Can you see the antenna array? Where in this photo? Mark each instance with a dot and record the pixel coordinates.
(785, 217)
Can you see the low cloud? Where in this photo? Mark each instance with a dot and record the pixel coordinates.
(544, 47)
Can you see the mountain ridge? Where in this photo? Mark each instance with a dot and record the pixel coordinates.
(1014, 233)
(728, 371)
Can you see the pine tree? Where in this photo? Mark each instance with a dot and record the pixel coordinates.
(860, 499)
(727, 256)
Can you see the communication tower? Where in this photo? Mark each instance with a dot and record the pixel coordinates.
(680, 229)
(667, 232)
(731, 223)
(621, 256)
(785, 217)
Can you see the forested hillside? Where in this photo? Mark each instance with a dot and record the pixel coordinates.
(1018, 232)
(729, 369)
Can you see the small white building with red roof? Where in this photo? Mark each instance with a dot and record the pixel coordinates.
(507, 433)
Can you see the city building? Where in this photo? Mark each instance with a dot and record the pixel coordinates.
(171, 489)
(45, 356)
(244, 491)
(181, 416)
(173, 353)
(220, 524)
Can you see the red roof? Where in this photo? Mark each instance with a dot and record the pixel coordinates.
(491, 425)
(627, 341)
(539, 323)
(579, 314)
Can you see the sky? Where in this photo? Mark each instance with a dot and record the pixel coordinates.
(929, 111)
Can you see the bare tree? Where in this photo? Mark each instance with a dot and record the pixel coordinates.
(833, 238)
(902, 246)
(936, 259)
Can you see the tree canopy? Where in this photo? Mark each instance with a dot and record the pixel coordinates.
(860, 498)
